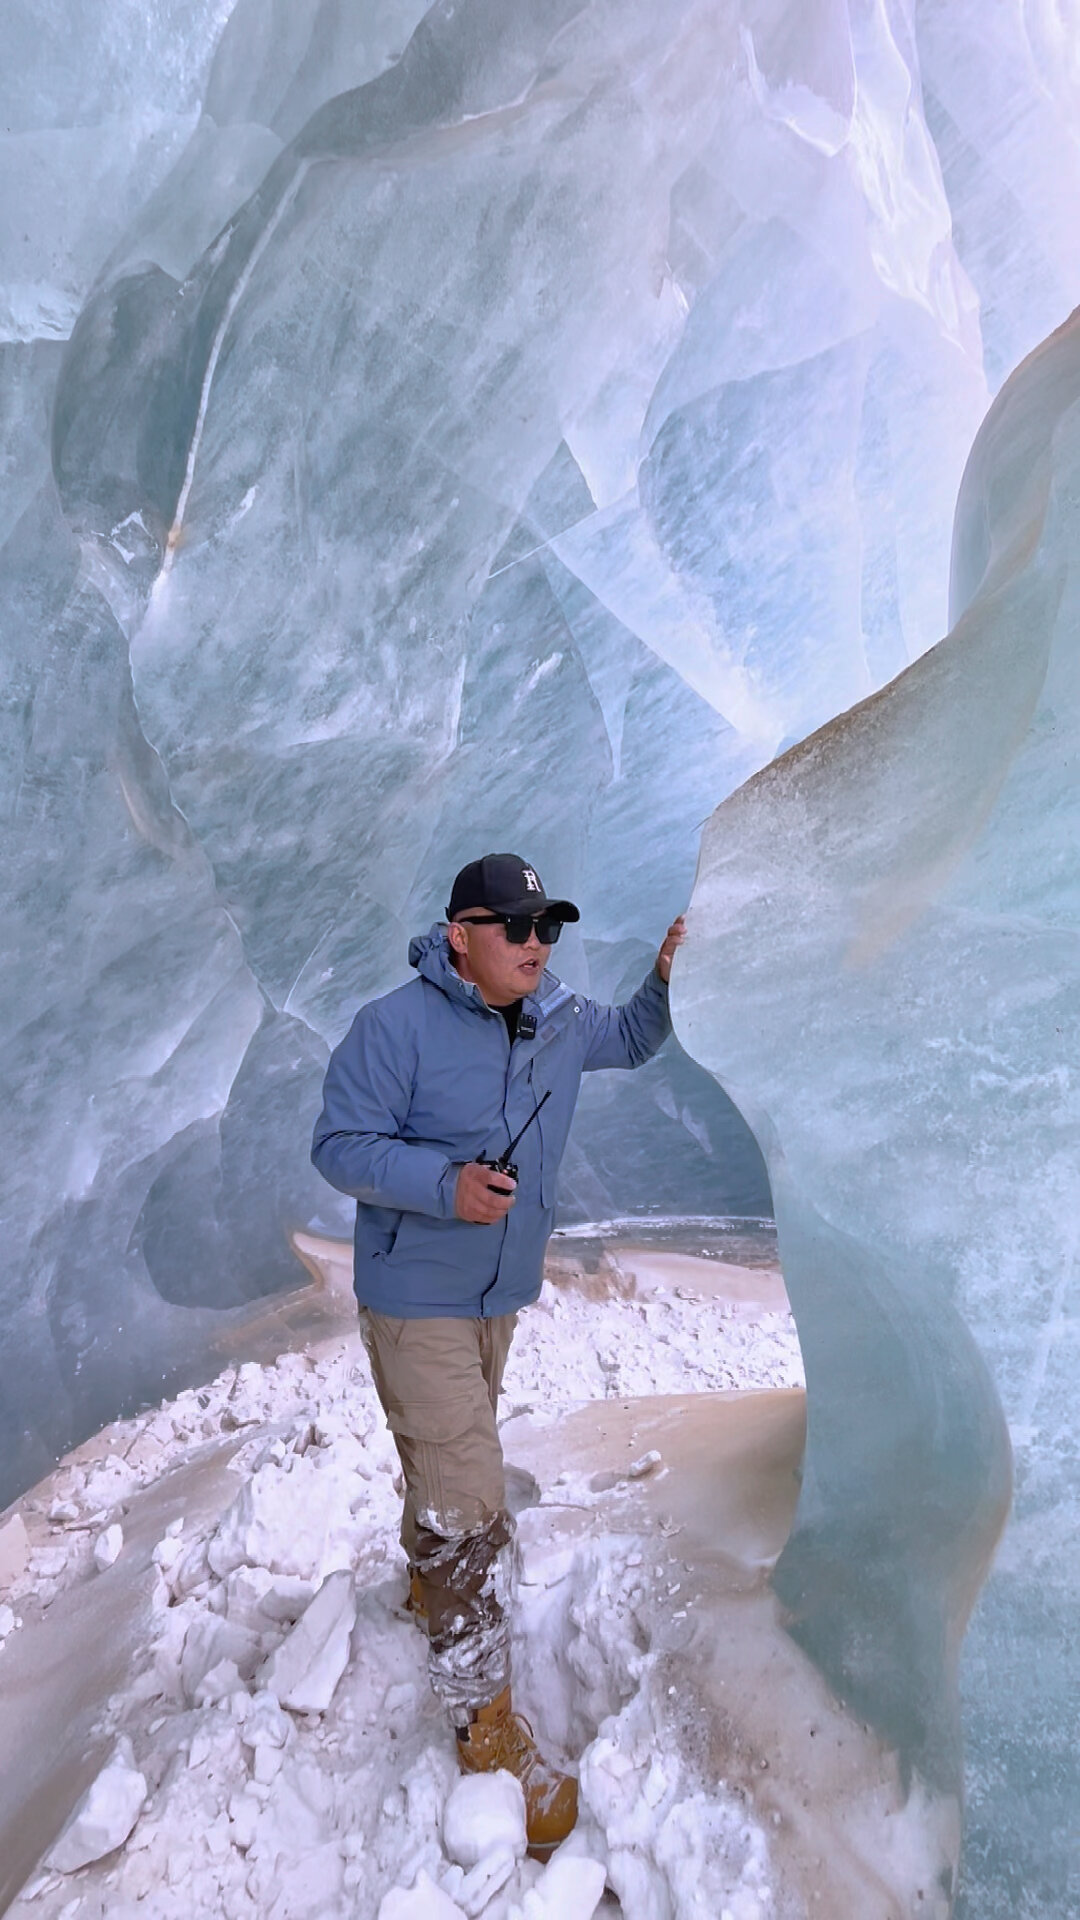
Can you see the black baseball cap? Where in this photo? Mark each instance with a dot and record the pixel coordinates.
(504, 883)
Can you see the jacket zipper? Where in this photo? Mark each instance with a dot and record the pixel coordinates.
(496, 1015)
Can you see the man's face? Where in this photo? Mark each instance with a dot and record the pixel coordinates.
(501, 971)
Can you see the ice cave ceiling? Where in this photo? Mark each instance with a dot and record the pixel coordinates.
(520, 421)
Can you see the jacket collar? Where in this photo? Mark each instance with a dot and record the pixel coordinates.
(429, 953)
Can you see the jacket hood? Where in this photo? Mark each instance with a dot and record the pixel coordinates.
(429, 953)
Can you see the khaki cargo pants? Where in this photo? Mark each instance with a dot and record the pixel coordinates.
(438, 1382)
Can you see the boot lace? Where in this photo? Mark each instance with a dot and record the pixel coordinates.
(518, 1742)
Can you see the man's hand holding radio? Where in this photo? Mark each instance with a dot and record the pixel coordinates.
(483, 1195)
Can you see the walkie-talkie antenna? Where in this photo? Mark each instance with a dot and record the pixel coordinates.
(504, 1163)
(525, 1128)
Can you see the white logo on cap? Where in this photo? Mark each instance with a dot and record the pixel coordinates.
(532, 884)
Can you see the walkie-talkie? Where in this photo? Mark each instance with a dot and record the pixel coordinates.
(504, 1164)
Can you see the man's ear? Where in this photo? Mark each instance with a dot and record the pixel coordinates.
(457, 937)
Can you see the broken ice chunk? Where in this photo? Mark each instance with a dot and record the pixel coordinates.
(266, 1765)
(243, 1819)
(254, 1597)
(209, 1644)
(425, 1901)
(287, 1516)
(105, 1815)
(641, 1469)
(14, 1550)
(648, 1463)
(264, 1723)
(49, 1563)
(638, 1469)
(107, 1546)
(480, 1885)
(167, 1552)
(305, 1669)
(569, 1889)
(217, 1683)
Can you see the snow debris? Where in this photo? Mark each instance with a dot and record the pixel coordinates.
(292, 1762)
(672, 1847)
(103, 1818)
(484, 1814)
(620, 1347)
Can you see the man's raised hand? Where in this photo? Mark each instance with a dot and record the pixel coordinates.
(673, 939)
(482, 1195)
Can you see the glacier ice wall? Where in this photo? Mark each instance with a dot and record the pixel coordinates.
(508, 419)
(883, 971)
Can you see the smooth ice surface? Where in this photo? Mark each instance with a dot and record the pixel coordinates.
(883, 971)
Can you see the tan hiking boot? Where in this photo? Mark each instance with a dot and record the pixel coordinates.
(497, 1738)
(414, 1601)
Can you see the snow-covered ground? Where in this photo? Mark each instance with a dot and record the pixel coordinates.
(203, 1650)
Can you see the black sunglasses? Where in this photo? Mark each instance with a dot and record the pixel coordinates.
(518, 926)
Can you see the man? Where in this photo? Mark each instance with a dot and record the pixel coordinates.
(431, 1081)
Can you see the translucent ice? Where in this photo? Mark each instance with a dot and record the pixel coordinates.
(883, 972)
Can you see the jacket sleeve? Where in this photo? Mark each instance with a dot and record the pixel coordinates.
(357, 1144)
(628, 1036)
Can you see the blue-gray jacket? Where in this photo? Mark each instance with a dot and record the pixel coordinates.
(425, 1080)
